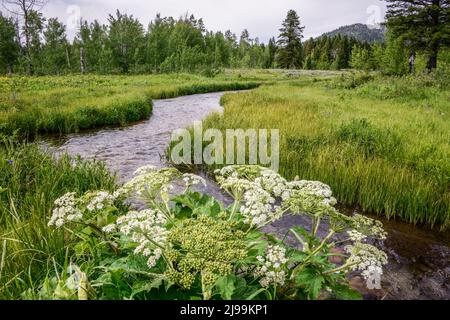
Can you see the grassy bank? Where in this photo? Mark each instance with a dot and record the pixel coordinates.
(30, 182)
(381, 143)
(43, 105)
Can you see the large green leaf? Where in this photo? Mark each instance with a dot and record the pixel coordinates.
(225, 286)
(147, 286)
(311, 280)
(344, 292)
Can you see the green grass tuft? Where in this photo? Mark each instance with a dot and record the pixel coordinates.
(29, 184)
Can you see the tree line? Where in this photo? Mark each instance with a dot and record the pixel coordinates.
(31, 44)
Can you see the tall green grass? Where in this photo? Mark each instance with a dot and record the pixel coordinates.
(57, 105)
(381, 143)
(30, 181)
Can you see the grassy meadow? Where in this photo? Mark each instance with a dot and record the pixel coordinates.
(382, 144)
(66, 104)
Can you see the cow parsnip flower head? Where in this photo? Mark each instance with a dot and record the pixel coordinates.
(70, 208)
(66, 210)
(356, 236)
(146, 229)
(307, 201)
(235, 186)
(98, 200)
(193, 180)
(265, 178)
(247, 172)
(320, 189)
(144, 170)
(271, 268)
(258, 208)
(366, 258)
(152, 183)
(271, 182)
(369, 227)
(204, 247)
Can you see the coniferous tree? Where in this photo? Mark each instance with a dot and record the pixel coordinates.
(421, 25)
(271, 51)
(290, 51)
(360, 58)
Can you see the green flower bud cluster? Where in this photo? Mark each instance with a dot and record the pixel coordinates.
(205, 246)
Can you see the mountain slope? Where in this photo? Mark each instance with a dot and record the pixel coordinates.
(359, 31)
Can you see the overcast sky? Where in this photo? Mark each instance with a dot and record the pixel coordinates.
(261, 17)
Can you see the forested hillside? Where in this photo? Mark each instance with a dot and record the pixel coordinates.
(360, 32)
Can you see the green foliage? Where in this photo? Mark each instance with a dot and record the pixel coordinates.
(329, 52)
(9, 46)
(124, 46)
(421, 26)
(126, 36)
(361, 58)
(184, 45)
(391, 58)
(55, 50)
(351, 81)
(372, 141)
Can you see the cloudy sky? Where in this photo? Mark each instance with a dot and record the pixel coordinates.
(261, 17)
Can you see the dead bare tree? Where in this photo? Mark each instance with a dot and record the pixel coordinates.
(23, 9)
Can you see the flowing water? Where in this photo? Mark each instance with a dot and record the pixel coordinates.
(419, 259)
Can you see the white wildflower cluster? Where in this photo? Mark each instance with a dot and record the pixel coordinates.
(193, 180)
(369, 226)
(356, 236)
(144, 170)
(146, 228)
(225, 171)
(69, 208)
(259, 188)
(151, 183)
(307, 201)
(258, 208)
(368, 259)
(235, 186)
(258, 195)
(241, 171)
(272, 182)
(99, 200)
(320, 189)
(271, 269)
(66, 210)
